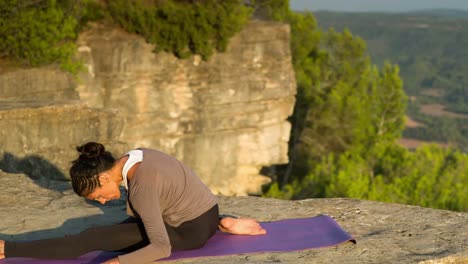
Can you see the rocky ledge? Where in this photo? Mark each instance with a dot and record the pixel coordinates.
(385, 233)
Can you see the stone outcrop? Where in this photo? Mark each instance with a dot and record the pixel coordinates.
(38, 138)
(225, 117)
(385, 233)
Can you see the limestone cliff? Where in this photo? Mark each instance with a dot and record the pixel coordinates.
(225, 117)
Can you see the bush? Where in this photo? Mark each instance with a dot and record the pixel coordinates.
(431, 177)
(182, 28)
(44, 32)
(37, 33)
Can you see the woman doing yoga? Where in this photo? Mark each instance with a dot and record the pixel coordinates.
(171, 209)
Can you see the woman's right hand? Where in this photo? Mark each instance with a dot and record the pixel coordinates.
(2, 249)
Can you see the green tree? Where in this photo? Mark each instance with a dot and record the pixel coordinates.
(431, 176)
(430, 57)
(347, 118)
(343, 102)
(388, 102)
(307, 57)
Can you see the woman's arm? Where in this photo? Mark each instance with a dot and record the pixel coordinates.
(145, 201)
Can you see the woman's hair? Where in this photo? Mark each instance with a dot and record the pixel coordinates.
(84, 171)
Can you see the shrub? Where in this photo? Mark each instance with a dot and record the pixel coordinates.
(37, 33)
(182, 28)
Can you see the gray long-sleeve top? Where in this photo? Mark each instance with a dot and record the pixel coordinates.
(163, 189)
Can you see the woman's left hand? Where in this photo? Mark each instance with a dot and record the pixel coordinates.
(112, 261)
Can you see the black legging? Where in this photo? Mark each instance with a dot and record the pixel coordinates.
(124, 237)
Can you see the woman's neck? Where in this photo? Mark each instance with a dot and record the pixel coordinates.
(131, 171)
(120, 165)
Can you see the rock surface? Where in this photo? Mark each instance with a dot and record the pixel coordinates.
(385, 233)
(38, 138)
(225, 117)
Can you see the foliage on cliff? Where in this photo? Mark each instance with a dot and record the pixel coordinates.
(271, 9)
(347, 118)
(41, 32)
(183, 27)
(37, 32)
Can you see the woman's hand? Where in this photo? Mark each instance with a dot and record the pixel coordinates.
(2, 249)
(112, 261)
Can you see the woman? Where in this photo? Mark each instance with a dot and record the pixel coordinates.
(171, 209)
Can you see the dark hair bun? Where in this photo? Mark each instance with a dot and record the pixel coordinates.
(91, 150)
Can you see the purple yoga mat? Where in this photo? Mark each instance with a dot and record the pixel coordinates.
(283, 235)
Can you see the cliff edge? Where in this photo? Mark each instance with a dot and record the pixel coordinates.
(385, 233)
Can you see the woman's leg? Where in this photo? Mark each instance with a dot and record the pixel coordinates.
(125, 237)
(121, 237)
(194, 233)
(131, 235)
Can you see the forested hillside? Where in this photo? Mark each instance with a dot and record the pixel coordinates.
(349, 115)
(430, 49)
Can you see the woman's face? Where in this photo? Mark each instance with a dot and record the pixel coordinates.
(109, 190)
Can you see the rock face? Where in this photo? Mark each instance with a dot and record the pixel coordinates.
(225, 117)
(385, 233)
(37, 138)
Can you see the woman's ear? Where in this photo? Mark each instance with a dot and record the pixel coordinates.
(104, 178)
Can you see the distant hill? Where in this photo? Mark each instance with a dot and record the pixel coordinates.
(448, 13)
(430, 46)
(430, 49)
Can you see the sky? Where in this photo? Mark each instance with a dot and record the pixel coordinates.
(377, 5)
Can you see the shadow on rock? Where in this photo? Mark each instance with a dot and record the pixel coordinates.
(113, 213)
(46, 175)
(35, 166)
